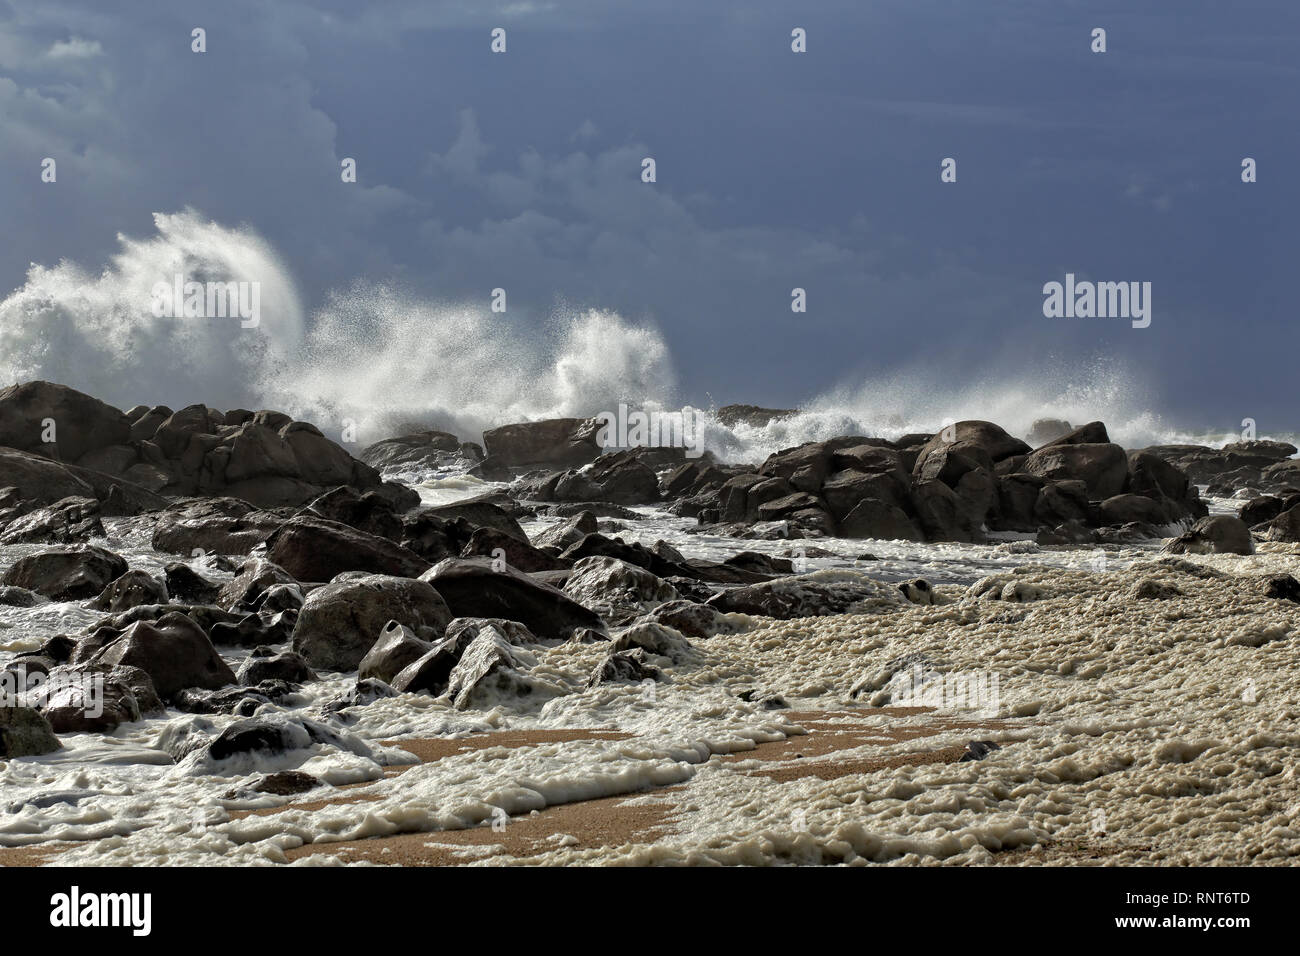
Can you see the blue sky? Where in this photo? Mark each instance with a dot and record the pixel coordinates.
(775, 170)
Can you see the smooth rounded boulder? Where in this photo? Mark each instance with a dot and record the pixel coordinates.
(316, 549)
(475, 587)
(173, 651)
(66, 573)
(340, 622)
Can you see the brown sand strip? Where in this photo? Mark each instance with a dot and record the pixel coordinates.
(828, 738)
(37, 855)
(606, 822)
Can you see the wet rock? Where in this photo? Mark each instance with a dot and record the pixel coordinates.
(265, 663)
(472, 588)
(66, 573)
(691, 619)
(812, 595)
(396, 648)
(502, 547)
(173, 651)
(129, 590)
(485, 511)
(486, 671)
(558, 442)
(254, 578)
(20, 597)
(567, 532)
(1283, 588)
(978, 750)
(277, 734)
(370, 512)
(1217, 534)
(752, 415)
(623, 667)
(120, 694)
(286, 783)
(1102, 467)
(340, 622)
(314, 549)
(216, 534)
(25, 733)
(39, 481)
(1285, 527)
(186, 584)
(654, 639)
(1152, 589)
(66, 521)
(239, 701)
(917, 591)
(616, 590)
(421, 450)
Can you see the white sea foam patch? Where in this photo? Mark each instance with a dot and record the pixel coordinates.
(98, 332)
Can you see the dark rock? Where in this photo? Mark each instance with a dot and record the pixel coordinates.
(616, 590)
(129, 590)
(559, 442)
(567, 532)
(66, 573)
(68, 520)
(285, 783)
(83, 424)
(1093, 433)
(19, 597)
(1284, 588)
(1285, 527)
(396, 649)
(979, 749)
(491, 543)
(254, 578)
(1217, 534)
(879, 520)
(314, 549)
(623, 667)
(788, 598)
(423, 450)
(25, 733)
(125, 694)
(185, 584)
(691, 619)
(751, 415)
(173, 651)
(1103, 468)
(340, 622)
(472, 588)
(266, 664)
(942, 515)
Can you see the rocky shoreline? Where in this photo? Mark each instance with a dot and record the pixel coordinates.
(294, 559)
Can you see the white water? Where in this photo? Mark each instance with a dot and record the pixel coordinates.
(376, 356)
